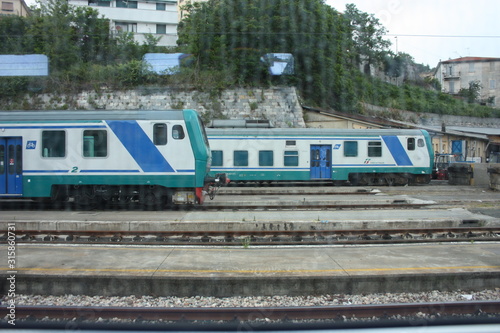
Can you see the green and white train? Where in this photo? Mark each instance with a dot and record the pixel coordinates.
(151, 157)
(339, 156)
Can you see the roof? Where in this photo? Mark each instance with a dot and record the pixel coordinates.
(30, 116)
(471, 59)
(302, 132)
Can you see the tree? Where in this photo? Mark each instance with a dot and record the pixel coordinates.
(368, 35)
(233, 35)
(471, 94)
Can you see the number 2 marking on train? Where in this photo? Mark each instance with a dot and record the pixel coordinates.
(74, 170)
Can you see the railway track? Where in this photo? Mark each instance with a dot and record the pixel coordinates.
(260, 237)
(77, 314)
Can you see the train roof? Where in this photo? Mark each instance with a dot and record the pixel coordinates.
(308, 131)
(78, 115)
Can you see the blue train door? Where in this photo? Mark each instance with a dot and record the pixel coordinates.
(321, 161)
(11, 166)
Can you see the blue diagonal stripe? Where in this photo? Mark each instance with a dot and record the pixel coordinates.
(397, 150)
(140, 146)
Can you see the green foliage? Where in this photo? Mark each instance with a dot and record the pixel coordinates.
(368, 35)
(471, 94)
(232, 35)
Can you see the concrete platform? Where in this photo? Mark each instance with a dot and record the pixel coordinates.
(243, 220)
(185, 271)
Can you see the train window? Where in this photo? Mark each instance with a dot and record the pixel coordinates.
(290, 143)
(420, 143)
(240, 158)
(350, 148)
(178, 132)
(95, 143)
(411, 143)
(160, 134)
(217, 157)
(11, 156)
(53, 144)
(374, 149)
(266, 158)
(291, 158)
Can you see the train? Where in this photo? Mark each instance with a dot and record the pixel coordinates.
(337, 156)
(154, 158)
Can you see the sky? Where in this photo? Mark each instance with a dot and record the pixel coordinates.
(436, 30)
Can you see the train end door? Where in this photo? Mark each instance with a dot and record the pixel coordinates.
(321, 162)
(11, 166)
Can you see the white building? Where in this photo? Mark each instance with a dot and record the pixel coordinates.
(455, 74)
(157, 17)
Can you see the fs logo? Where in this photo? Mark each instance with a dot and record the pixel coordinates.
(367, 161)
(31, 145)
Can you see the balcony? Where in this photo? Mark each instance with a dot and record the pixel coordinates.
(451, 76)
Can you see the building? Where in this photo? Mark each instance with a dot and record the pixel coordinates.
(14, 7)
(157, 17)
(478, 144)
(456, 74)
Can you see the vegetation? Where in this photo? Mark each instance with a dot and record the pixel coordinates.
(227, 39)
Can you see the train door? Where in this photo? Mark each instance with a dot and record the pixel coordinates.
(321, 161)
(11, 166)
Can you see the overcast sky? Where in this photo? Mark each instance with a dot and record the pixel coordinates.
(421, 26)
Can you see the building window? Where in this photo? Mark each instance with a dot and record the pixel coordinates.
(266, 158)
(126, 27)
(240, 158)
(471, 67)
(53, 143)
(161, 6)
(291, 158)
(160, 134)
(100, 3)
(217, 158)
(374, 149)
(126, 4)
(493, 84)
(350, 148)
(7, 6)
(161, 28)
(95, 143)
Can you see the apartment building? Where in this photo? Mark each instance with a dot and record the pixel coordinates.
(14, 7)
(157, 17)
(455, 74)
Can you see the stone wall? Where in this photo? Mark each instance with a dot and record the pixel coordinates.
(280, 104)
(430, 119)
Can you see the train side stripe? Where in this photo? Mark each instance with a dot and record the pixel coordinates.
(140, 146)
(397, 150)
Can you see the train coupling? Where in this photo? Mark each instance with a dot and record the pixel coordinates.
(215, 183)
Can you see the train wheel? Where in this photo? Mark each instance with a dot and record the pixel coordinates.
(85, 197)
(151, 197)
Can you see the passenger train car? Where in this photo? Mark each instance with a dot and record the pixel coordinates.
(154, 157)
(360, 157)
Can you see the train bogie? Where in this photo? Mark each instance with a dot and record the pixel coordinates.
(359, 157)
(151, 157)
